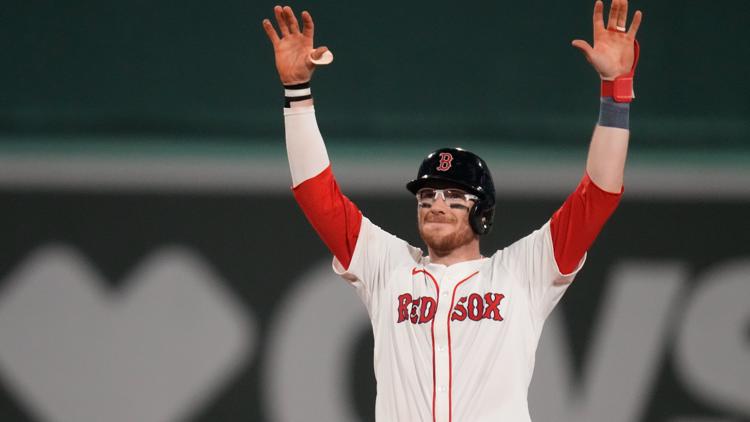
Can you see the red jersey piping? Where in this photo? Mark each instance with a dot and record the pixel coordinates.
(450, 352)
(432, 334)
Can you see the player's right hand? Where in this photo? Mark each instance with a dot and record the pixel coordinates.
(294, 50)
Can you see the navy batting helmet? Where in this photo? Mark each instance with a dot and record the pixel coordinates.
(463, 169)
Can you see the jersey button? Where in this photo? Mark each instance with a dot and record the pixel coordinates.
(445, 293)
(441, 348)
(442, 389)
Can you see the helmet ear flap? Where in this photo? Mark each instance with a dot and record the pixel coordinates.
(482, 217)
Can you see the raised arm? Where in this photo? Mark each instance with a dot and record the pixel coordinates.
(335, 218)
(614, 56)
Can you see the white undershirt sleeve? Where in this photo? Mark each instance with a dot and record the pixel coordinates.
(304, 144)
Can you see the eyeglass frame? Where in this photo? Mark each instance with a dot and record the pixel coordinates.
(441, 193)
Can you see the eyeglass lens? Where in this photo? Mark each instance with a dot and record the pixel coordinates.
(450, 196)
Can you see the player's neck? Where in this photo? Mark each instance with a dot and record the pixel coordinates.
(467, 252)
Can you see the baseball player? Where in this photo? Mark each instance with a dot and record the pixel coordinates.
(455, 331)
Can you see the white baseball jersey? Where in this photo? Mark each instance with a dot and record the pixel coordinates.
(454, 343)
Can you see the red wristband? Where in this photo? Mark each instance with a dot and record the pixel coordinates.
(621, 89)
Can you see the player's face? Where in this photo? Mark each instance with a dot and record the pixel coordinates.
(443, 219)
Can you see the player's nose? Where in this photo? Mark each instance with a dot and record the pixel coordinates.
(440, 203)
(439, 210)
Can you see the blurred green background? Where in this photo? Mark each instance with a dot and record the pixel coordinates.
(502, 72)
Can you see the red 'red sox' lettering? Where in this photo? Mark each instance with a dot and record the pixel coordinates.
(476, 307)
(459, 311)
(419, 311)
(493, 301)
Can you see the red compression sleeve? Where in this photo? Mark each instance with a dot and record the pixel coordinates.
(332, 215)
(578, 221)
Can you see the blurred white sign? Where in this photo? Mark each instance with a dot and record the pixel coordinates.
(155, 350)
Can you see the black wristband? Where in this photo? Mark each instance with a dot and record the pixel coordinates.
(302, 85)
(289, 100)
(296, 92)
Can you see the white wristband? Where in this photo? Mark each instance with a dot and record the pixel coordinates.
(297, 92)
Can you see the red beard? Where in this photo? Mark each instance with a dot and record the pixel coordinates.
(444, 244)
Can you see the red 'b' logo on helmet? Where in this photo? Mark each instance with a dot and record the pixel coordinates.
(445, 161)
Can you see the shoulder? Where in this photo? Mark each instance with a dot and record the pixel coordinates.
(377, 248)
(377, 236)
(536, 238)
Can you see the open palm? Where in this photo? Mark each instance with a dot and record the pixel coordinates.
(294, 49)
(612, 54)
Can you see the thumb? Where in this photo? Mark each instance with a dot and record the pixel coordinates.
(318, 53)
(584, 47)
(320, 56)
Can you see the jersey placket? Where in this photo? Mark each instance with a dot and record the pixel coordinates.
(441, 349)
(443, 353)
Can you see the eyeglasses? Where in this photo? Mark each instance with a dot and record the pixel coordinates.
(428, 196)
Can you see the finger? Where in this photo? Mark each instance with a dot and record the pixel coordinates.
(309, 27)
(622, 15)
(635, 24)
(612, 19)
(291, 20)
(318, 52)
(280, 21)
(584, 47)
(598, 15)
(270, 31)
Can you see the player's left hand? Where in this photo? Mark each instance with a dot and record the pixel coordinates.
(612, 54)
